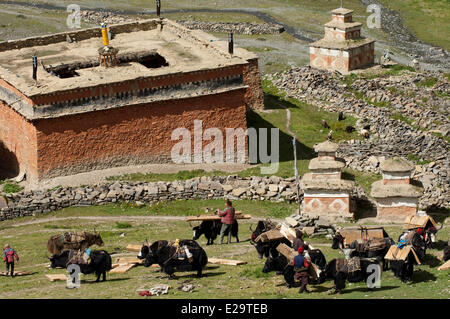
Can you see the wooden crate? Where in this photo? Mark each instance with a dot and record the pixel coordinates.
(226, 261)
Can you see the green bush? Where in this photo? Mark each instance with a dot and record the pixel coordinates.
(123, 225)
(12, 188)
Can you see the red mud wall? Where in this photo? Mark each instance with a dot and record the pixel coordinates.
(17, 143)
(254, 95)
(129, 135)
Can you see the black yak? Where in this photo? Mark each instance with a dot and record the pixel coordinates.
(373, 248)
(211, 229)
(99, 264)
(341, 270)
(167, 258)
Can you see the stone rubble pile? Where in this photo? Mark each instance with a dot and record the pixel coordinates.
(236, 27)
(312, 226)
(388, 137)
(104, 17)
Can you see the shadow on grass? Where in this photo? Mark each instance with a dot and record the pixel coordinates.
(107, 280)
(366, 289)
(285, 140)
(439, 214)
(439, 245)
(421, 275)
(194, 276)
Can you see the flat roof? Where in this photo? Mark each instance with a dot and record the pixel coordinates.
(343, 11)
(184, 50)
(342, 25)
(341, 45)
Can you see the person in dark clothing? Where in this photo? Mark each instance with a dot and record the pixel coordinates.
(298, 240)
(301, 268)
(228, 219)
(8, 257)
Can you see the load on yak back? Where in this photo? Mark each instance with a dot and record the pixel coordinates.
(75, 241)
(181, 255)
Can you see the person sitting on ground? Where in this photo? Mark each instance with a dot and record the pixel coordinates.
(228, 219)
(8, 257)
(301, 267)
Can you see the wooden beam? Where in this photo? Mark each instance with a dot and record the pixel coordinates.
(134, 248)
(287, 252)
(56, 277)
(199, 218)
(18, 273)
(226, 261)
(270, 235)
(129, 260)
(121, 269)
(445, 266)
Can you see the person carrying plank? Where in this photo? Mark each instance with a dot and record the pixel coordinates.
(228, 219)
(301, 266)
(8, 257)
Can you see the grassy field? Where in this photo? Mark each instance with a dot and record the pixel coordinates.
(29, 236)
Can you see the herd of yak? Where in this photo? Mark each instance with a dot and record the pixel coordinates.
(165, 254)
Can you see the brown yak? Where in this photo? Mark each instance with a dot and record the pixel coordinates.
(56, 244)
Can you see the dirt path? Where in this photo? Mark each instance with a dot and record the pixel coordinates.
(114, 218)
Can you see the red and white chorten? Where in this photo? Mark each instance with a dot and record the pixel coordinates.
(342, 47)
(325, 193)
(395, 195)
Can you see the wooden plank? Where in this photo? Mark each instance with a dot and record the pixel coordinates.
(56, 277)
(229, 262)
(414, 221)
(445, 266)
(395, 253)
(129, 260)
(18, 273)
(287, 232)
(287, 252)
(134, 248)
(122, 269)
(291, 221)
(269, 235)
(213, 217)
(352, 234)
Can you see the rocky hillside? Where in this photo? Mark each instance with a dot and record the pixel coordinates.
(400, 113)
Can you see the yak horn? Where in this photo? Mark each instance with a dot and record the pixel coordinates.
(251, 229)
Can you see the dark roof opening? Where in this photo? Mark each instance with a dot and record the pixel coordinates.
(153, 61)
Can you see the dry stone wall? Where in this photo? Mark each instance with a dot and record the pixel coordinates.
(31, 203)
